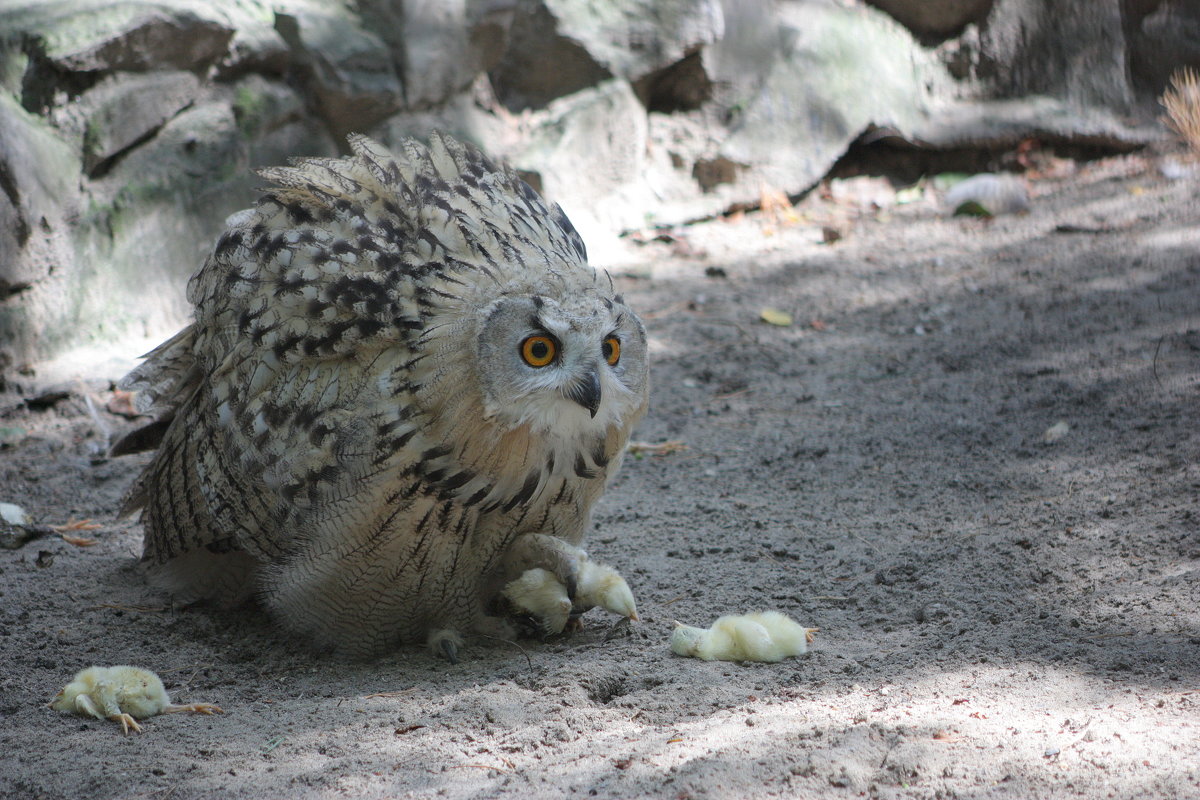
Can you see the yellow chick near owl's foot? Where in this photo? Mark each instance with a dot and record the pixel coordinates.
(121, 694)
(601, 585)
(764, 636)
(540, 594)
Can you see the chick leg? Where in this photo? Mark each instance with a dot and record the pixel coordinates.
(84, 705)
(196, 708)
(112, 711)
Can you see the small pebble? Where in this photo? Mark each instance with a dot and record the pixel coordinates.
(1056, 432)
(13, 514)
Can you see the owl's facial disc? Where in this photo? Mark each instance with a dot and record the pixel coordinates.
(567, 366)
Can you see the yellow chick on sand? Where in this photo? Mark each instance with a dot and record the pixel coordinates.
(121, 694)
(763, 636)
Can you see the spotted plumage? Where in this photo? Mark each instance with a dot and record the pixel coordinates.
(403, 388)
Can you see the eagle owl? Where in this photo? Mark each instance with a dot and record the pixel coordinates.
(402, 393)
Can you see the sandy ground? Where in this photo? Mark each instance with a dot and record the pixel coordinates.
(1001, 616)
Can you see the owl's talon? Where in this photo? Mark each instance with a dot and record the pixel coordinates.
(445, 643)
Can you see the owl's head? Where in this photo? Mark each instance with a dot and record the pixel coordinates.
(564, 365)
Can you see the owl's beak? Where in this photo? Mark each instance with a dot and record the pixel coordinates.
(586, 392)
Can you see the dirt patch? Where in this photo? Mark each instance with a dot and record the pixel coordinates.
(1004, 611)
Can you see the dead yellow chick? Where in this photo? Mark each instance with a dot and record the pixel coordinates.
(601, 585)
(540, 594)
(764, 636)
(121, 694)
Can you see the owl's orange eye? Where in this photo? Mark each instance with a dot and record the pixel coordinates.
(611, 350)
(538, 351)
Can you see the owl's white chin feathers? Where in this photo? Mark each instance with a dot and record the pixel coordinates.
(550, 413)
(557, 417)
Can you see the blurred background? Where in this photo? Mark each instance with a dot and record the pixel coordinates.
(128, 129)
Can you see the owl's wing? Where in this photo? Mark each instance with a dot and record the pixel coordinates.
(176, 502)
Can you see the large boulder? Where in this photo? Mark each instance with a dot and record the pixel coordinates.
(770, 122)
(935, 19)
(587, 152)
(346, 68)
(126, 109)
(439, 46)
(97, 36)
(557, 47)
(39, 177)
(1073, 50)
(789, 129)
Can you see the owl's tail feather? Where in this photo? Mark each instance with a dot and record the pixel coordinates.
(163, 382)
(139, 440)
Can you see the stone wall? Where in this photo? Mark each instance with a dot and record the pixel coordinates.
(128, 128)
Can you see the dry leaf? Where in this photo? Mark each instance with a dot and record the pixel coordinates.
(774, 316)
(121, 403)
(776, 206)
(77, 525)
(1056, 432)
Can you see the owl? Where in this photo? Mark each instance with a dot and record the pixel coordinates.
(403, 391)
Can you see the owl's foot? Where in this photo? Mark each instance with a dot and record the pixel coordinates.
(445, 643)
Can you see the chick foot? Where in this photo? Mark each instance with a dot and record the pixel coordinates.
(127, 722)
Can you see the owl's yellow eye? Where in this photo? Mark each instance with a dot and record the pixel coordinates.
(611, 350)
(538, 351)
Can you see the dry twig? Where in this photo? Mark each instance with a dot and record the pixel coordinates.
(656, 448)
